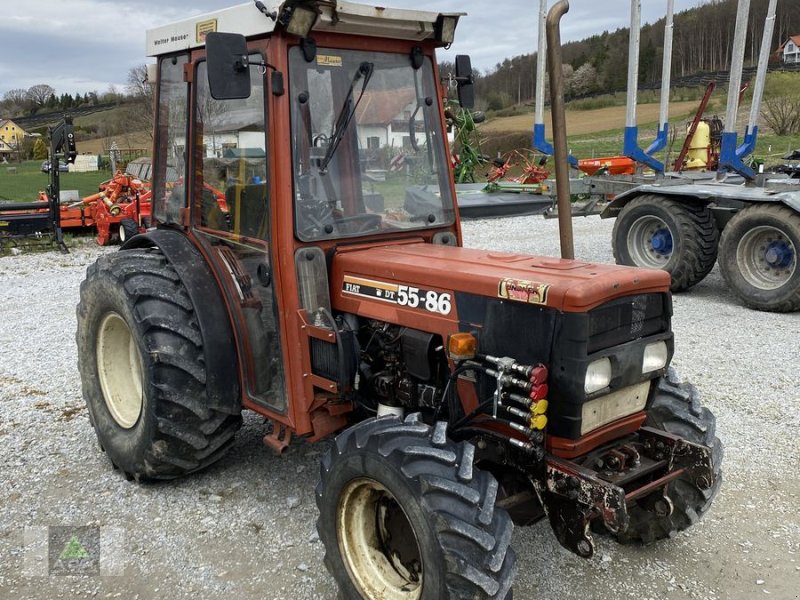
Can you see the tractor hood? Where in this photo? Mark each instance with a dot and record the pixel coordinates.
(425, 276)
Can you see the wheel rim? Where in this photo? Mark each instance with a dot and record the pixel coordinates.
(119, 367)
(767, 259)
(122, 235)
(650, 242)
(378, 543)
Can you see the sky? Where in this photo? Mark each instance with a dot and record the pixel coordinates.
(89, 45)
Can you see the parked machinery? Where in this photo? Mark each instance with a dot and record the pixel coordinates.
(750, 226)
(24, 221)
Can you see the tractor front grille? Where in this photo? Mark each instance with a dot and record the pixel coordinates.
(628, 319)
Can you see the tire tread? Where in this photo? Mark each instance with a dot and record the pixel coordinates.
(698, 231)
(188, 435)
(475, 537)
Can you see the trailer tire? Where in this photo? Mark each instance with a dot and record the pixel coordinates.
(141, 361)
(676, 409)
(385, 476)
(759, 257)
(127, 229)
(659, 233)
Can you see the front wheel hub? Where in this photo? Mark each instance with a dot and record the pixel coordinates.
(378, 543)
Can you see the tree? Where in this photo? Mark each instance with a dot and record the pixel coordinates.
(584, 81)
(39, 94)
(39, 150)
(781, 109)
(15, 103)
(141, 91)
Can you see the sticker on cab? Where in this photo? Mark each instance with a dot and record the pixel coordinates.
(521, 290)
(204, 28)
(399, 294)
(329, 60)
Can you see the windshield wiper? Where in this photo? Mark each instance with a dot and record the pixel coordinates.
(364, 71)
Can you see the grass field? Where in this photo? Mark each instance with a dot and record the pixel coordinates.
(136, 140)
(595, 133)
(581, 122)
(24, 184)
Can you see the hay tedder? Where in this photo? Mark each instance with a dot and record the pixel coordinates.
(467, 390)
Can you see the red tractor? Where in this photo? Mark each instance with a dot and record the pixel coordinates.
(467, 389)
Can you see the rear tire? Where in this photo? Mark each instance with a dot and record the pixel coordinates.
(405, 516)
(676, 409)
(658, 233)
(759, 257)
(141, 360)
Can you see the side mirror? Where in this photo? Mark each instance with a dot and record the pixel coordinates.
(466, 88)
(228, 66)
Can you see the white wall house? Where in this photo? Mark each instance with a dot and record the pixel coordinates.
(791, 50)
(216, 144)
(383, 120)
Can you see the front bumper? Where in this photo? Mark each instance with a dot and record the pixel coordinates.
(574, 495)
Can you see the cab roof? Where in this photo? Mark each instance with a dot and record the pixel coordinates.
(340, 17)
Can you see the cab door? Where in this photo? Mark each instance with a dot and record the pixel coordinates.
(230, 216)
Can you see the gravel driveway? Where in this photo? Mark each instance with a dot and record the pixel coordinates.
(245, 528)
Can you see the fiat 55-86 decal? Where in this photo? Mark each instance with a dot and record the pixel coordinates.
(398, 293)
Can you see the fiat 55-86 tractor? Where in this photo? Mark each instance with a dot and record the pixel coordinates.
(468, 390)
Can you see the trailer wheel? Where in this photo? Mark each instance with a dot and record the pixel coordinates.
(658, 233)
(759, 257)
(141, 361)
(127, 229)
(405, 516)
(676, 409)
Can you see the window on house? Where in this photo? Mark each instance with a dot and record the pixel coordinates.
(373, 143)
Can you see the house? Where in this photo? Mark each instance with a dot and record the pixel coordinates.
(383, 118)
(5, 151)
(789, 51)
(11, 134)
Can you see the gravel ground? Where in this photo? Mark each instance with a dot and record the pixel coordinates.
(245, 528)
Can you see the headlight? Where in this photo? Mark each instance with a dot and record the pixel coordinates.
(655, 357)
(598, 375)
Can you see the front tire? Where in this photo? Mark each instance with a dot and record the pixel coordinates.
(141, 360)
(759, 257)
(405, 516)
(655, 232)
(676, 409)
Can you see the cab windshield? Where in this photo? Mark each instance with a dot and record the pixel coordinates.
(367, 145)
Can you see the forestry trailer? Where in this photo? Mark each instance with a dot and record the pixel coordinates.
(467, 389)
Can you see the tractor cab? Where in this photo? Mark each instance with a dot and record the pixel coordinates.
(311, 127)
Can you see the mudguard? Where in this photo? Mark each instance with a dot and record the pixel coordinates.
(724, 195)
(222, 373)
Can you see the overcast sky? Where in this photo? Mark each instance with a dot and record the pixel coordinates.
(86, 45)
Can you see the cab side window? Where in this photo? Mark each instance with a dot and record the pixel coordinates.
(231, 159)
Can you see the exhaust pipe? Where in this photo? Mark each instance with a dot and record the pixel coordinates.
(559, 127)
